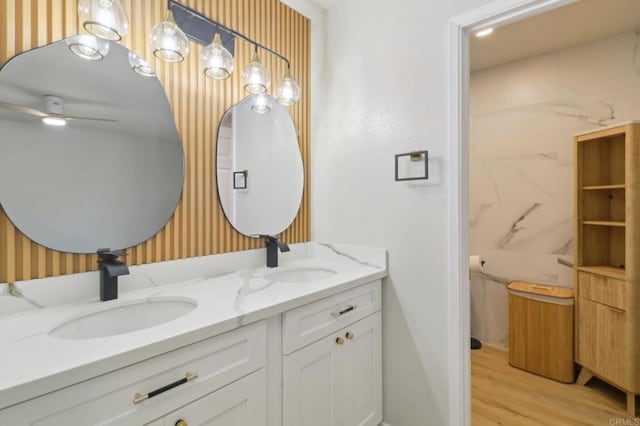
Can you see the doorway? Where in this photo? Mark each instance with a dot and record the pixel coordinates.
(496, 15)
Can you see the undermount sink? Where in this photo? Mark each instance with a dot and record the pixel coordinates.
(124, 318)
(300, 275)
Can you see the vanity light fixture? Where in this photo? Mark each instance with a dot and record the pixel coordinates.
(88, 46)
(485, 32)
(106, 19)
(255, 77)
(140, 66)
(288, 90)
(168, 41)
(216, 61)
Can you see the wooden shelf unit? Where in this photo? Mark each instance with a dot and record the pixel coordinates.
(607, 257)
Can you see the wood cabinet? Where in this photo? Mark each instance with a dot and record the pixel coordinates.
(607, 256)
(337, 380)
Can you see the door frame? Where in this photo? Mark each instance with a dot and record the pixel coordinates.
(494, 14)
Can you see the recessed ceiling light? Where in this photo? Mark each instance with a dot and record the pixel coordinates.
(484, 33)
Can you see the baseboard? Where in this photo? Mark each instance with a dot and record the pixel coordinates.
(490, 346)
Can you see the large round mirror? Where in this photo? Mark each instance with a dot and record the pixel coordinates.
(90, 156)
(259, 167)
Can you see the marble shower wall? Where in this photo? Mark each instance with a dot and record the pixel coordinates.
(523, 118)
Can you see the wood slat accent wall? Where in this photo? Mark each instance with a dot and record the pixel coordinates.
(198, 227)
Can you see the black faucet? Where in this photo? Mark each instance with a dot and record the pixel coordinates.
(110, 269)
(273, 245)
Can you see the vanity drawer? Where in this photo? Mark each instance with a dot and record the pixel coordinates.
(308, 323)
(109, 399)
(598, 288)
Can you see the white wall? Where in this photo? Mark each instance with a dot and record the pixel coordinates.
(317, 17)
(385, 92)
(523, 118)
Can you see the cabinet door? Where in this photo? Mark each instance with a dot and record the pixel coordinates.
(332, 384)
(362, 373)
(602, 344)
(242, 403)
(312, 385)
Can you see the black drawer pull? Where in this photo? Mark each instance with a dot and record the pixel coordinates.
(138, 398)
(344, 311)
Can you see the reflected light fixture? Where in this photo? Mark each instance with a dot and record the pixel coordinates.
(262, 103)
(88, 46)
(106, 19)
(168, 41)
(140, 66)
(216, 61)
(54, 121)
(288, 90)
(255, 77)
(485, 32)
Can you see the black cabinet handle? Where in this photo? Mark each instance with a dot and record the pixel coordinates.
(344, 311)
(138, 398)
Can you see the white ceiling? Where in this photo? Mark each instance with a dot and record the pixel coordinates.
(580, 22)
(325, 4)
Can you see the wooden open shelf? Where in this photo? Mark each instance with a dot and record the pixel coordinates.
(603, 187)
(603, 223)
(603, 161)
(603, 206)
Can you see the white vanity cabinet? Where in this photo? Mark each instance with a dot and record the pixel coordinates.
(242, 403)
(337, 379)
(319, 366)
(118, 397)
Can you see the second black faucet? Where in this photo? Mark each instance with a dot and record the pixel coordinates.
(273, 245)
(110, 269)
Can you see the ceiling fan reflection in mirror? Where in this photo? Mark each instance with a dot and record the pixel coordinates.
(53, 111)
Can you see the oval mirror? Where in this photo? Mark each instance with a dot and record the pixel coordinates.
(90, 156)
(259, 167)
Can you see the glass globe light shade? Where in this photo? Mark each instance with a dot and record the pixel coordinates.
(88, 46)
(168, 41)
(106, 19)
(262, 103)
(140, 66)
(288, 90)
(216, 61)
(255, 77)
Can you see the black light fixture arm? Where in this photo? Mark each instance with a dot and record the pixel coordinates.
(173, 3)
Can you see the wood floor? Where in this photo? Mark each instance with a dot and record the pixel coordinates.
(504, 395)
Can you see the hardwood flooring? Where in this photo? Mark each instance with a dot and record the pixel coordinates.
(504, 395)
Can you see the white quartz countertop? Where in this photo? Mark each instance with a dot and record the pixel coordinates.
(33, 363)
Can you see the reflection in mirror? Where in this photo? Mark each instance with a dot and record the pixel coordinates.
(259, 168)
(90, 156)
